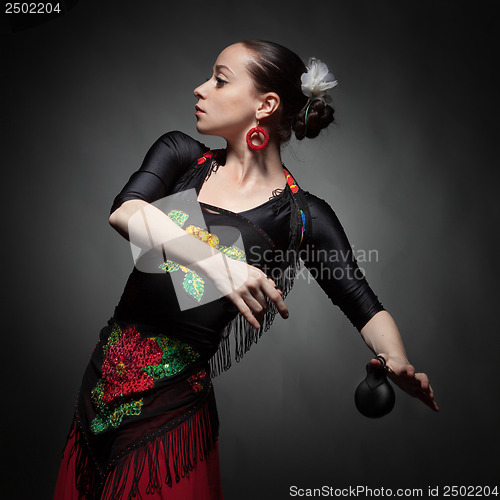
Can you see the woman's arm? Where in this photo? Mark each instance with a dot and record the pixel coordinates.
(382, 336)
(330, 258)
(152, 230)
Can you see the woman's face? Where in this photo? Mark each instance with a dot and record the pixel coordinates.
(228, 102)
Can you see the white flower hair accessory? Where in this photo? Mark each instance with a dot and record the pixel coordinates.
(317, 80)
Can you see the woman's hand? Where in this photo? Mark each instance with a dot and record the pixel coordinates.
(403, 374)
(382, 336)
(251, 288)
(246, 286)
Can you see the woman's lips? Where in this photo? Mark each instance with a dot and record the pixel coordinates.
(198, 110)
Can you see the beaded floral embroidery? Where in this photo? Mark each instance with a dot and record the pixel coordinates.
(110, 415)
(122, 369)
(193, 283)
(130, 367)
(197, 380)
(176, 356)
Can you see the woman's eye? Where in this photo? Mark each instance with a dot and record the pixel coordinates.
(219, 82)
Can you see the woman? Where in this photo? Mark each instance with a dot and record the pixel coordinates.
(218, 235)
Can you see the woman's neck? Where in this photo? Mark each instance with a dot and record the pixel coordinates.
(249, 166)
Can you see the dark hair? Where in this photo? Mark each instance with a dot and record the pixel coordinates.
(277, 69)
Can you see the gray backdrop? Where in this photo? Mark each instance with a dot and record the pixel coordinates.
(409, 169)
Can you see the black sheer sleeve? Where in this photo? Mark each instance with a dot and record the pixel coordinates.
(330, 260)
(164, 164)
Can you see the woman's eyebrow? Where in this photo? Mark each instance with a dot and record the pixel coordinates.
(220, 66)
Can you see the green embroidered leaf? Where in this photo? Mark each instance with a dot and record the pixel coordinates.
(178, 216)
(113, 338)
(233, 252)
(110, 415)
(176, 356)
(194, 285)
(169, 266)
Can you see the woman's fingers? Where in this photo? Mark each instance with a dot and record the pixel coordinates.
(251, 299)
(256, 298)
(276, 298)
(403, 374)
(257, 303)
(245, 311)
(252, 292)
(424, 380)
(419, 388)
(426, 394)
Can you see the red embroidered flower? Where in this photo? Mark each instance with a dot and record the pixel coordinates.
(196, 380)
(122, 367)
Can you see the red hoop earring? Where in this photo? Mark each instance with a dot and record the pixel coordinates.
(257, 130)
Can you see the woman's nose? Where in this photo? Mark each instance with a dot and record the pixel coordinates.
(199, 92)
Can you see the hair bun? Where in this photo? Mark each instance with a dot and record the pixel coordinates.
(319, 116)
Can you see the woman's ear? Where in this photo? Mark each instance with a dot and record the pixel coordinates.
(270, 103)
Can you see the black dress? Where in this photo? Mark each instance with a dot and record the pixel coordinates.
(147, 390)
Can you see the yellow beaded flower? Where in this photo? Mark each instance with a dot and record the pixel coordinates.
(193, 283)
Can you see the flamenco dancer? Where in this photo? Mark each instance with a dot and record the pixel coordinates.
(211, 229)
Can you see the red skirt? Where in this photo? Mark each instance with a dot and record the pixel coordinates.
(202, 483)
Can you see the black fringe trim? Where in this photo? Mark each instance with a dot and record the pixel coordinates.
(244, 334)
(87, 477)
(185, 445)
